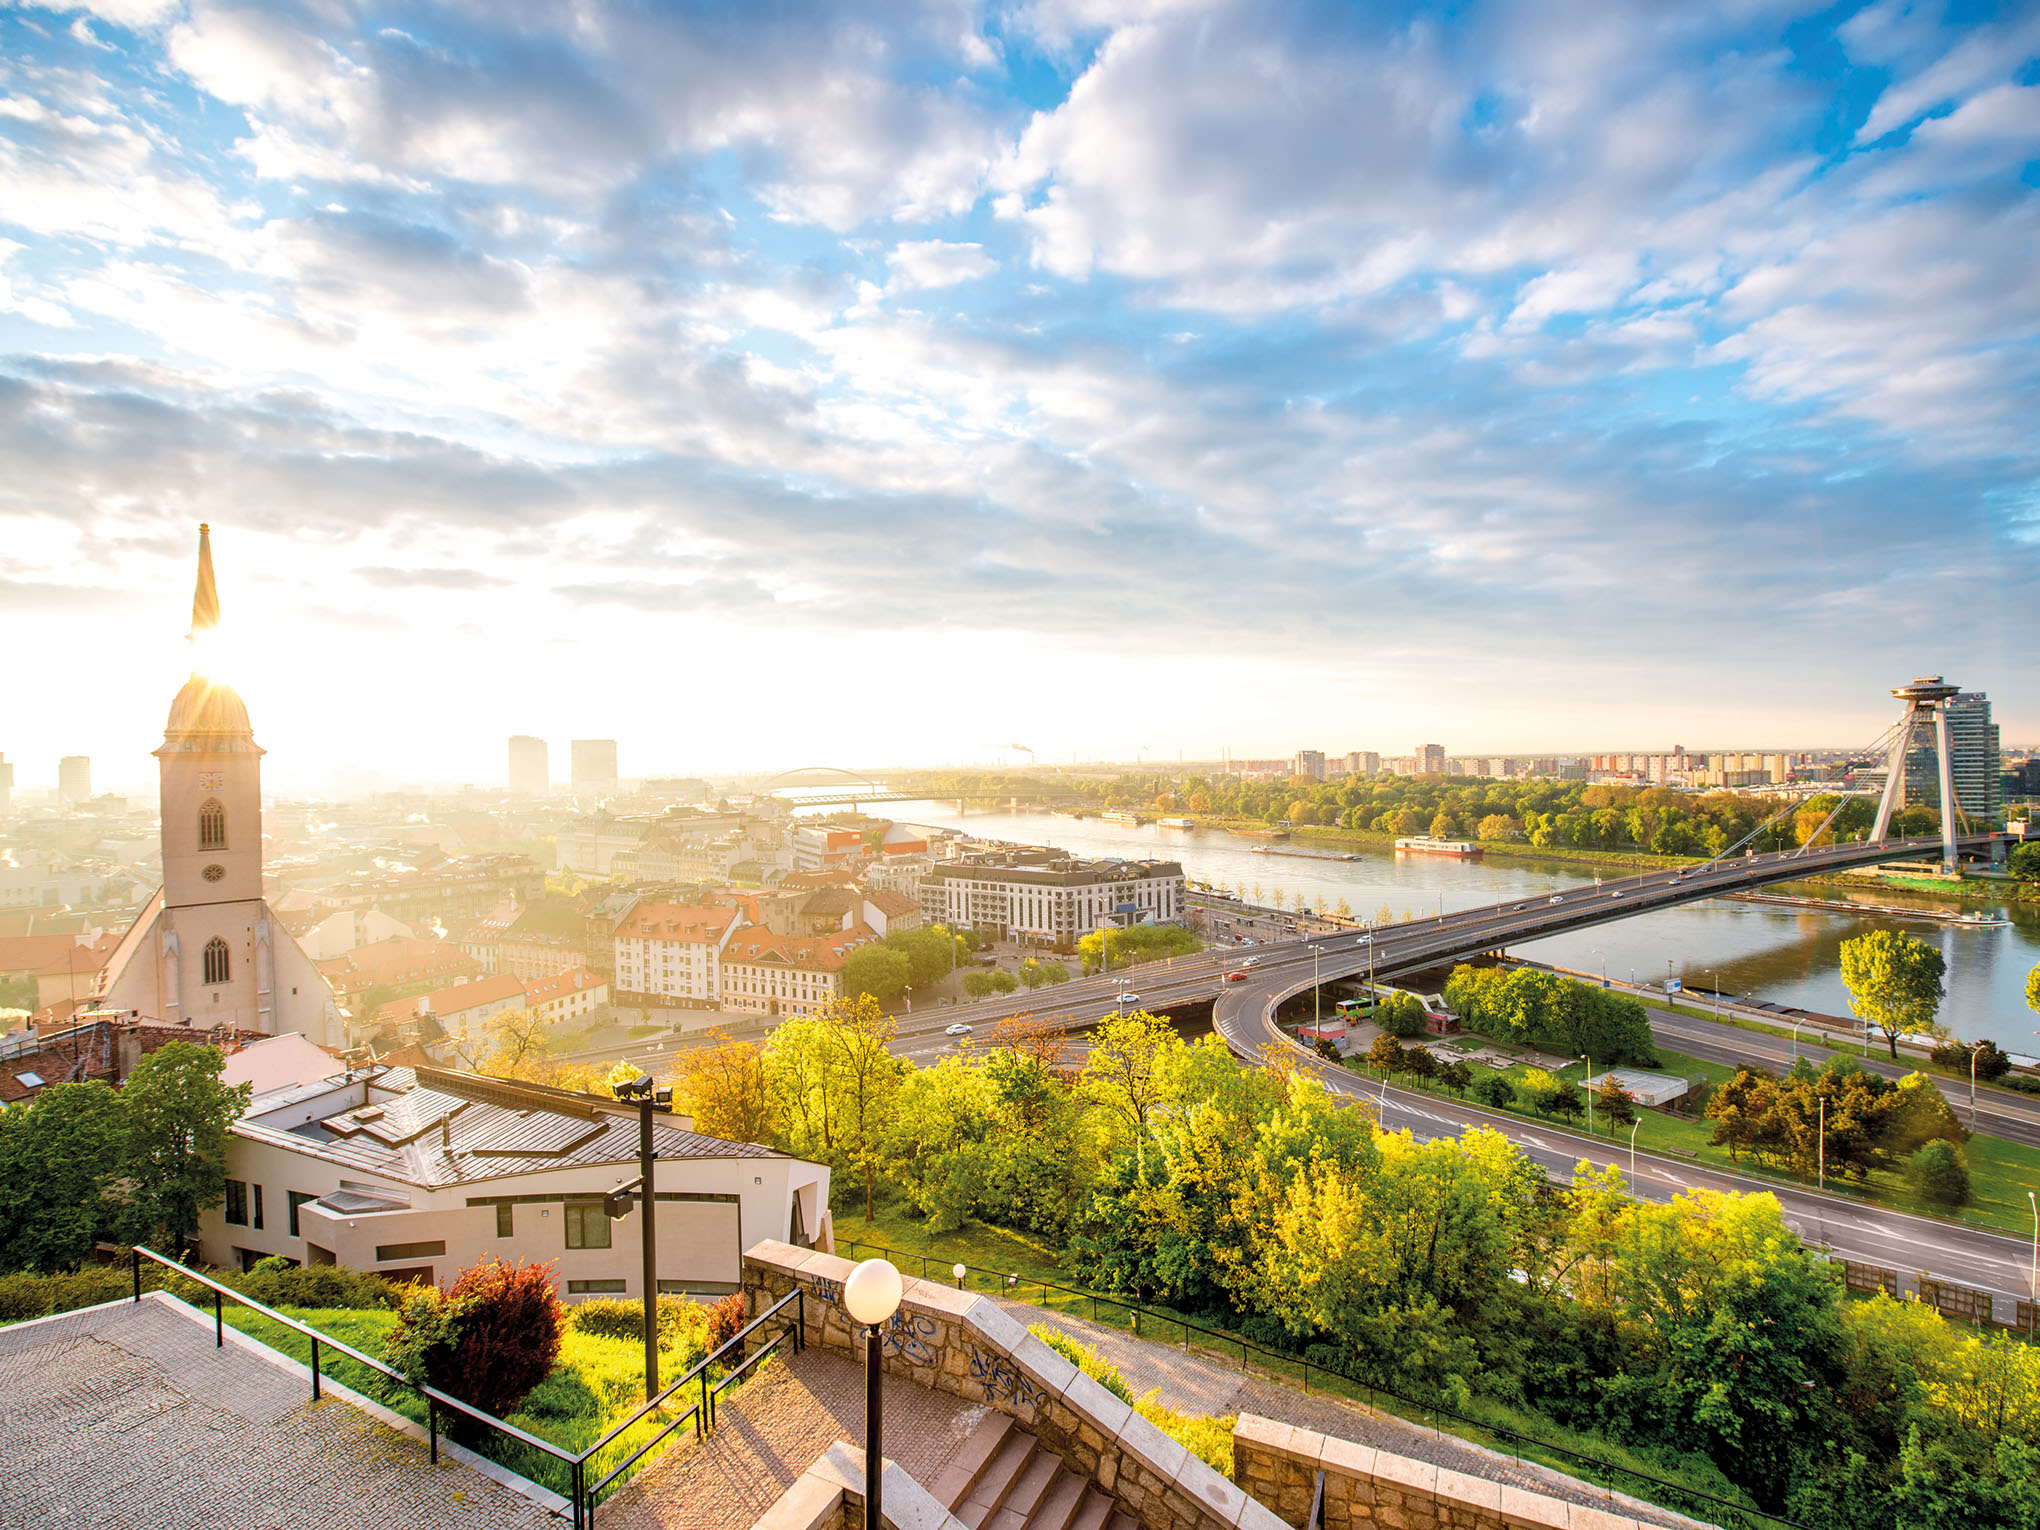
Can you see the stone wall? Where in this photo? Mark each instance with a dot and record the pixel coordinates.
(1278, 1464)
(969, 1346)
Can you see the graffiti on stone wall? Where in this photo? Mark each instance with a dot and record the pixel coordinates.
(1004, 1381)
(908, 1337)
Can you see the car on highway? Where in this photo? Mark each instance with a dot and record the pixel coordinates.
(1557, 898)
(1519, 908)
(1252, 961)
(1126, 999)
(958, 1029)
(1235, 977)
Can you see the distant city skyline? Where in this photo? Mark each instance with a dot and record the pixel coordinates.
(753, 391)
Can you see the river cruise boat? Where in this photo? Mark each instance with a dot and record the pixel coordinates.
(1122, 815)
(1178, 823)
(1424, 844)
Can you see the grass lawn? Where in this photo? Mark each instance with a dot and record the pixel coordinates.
(597, 1383)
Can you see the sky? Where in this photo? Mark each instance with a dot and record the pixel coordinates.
(765, 385)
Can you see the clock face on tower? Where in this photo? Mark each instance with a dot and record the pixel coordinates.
(211, 780)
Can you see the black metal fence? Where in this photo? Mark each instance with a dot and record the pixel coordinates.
(558, 1469)
(1341, 1380)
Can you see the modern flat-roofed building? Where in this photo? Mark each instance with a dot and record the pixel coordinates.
(74, 779)
(1973, 755)
(530, 767)
(1311, 763)
(1430, 759)
(418, 1173)
(1048, 896)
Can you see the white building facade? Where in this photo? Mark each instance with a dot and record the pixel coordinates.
(1047, 897)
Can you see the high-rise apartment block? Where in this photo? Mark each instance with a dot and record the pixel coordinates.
(74, 779)
(6, 784)
(1363, 762)
(594, 761)
(1311, 763)
(530, 767)
(1430, 759)
(1972, 761)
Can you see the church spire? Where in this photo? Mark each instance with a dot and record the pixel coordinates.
(205, 599)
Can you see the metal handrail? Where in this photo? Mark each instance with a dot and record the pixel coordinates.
(1316, 1521)
(582, 1498)
(1274, 1362)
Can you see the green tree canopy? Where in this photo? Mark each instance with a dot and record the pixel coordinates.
(175, 1160)
(1894, 983)
(59, 1157)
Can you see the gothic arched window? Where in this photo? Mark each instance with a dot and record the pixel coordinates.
(217, 962)
(212, 825)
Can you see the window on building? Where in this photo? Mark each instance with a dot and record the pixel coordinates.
(218, 964)
(587, 1225)
(258, 1205)
(237, 1202)
(297, 1198)
(409, 1250)
(212, 825)
(506, 1221)
(598, 1287)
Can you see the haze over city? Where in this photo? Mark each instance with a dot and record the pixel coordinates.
(765, 387)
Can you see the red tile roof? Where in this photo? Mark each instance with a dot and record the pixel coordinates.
(559, 986)
(813, 953)
(675, 921)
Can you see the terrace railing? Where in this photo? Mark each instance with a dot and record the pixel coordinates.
(575, 1469)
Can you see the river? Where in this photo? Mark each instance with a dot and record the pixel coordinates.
(1786, 955)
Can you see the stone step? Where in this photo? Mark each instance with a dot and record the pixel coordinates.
(1092, 1513)
(1122, 1521)
(953, 1483)
(1016, 1510)
(1059, 1504)
(987, 1495)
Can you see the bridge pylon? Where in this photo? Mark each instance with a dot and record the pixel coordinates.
(1925, 701)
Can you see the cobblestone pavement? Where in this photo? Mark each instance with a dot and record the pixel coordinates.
(126, 1417)
(772, 1429)
(1196, 1383)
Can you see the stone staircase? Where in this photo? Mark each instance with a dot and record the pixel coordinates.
(1002, 1478)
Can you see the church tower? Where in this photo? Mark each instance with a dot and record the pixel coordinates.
(217, 950)
(208, 950)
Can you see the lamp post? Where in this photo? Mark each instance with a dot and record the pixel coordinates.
(649, 1098)
(2033, 1280)
(1586, 1080)
(1974, 1049)
(1604, 965)
(959, 1270)
(1633, 1125)
(871, 1296)
(1795, 1036)
(1317, 1000)
(1823, 1144)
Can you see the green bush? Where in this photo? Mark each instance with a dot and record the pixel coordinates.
(278, 1283)
(1204, 1436)
(682, 1323)
(1085, 1359)
(1937, 1172)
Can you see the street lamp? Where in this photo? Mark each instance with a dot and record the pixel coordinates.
(871, 1296)
(1795, 1036)
(1317, 1000)
(1604, 964)
(649, 1097)
(1823, 1144)
(2033, 1281)
(1586, 1079)
(959, 1270)
(1633, 1125)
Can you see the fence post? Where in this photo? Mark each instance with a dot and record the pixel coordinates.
(219, 1320)
(584, 1513)
(432, 1425)
(315, 1369)
(707, 1413)
(136, 1255)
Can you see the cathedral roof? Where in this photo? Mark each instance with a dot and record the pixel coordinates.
(204, 706)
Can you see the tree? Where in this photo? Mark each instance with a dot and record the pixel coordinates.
(59, 1155)
(2033, 990)
(981, 984)
(725, 1089)
(1457, 1077)
(1402, 1015)
(1495, 1092)
(1497, 827)
(878, 971)
(1386, 1054)
(931, 953)
(1537, 1089)
(2024, 862)
(18, 993)
(488, 1340)
(1937, 1172)
(1567, 1100)
(1419, 1063)
(1615, 1102)
(1043, 1040)
(1894, 983)
(175, 1158)
(1121, 1072)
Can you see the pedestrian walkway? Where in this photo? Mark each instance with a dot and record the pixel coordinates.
(770, 1430)
(1195, 1383)
(127, 1418)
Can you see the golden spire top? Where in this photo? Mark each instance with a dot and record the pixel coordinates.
(205, 600)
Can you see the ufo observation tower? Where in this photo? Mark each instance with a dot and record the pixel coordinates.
(1925, 701)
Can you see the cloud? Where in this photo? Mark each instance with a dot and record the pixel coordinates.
(429, 579)
(923, 263)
